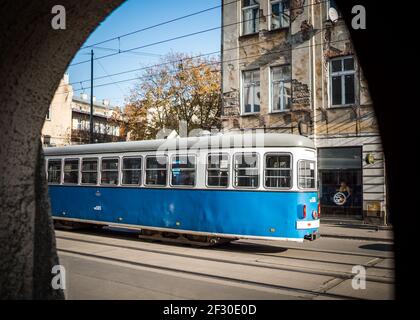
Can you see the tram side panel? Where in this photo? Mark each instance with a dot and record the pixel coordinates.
(243, 213)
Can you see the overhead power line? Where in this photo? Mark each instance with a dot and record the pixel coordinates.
(179, 37)
(172, 61)
(215, 63)
(158, 24)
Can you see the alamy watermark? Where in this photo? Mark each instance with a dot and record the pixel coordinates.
(359, 280)
(359, 20)
(59, 20)
(58, 281)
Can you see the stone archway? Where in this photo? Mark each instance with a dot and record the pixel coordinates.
(33, 58)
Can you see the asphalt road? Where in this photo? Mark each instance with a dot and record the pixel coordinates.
(110, 264)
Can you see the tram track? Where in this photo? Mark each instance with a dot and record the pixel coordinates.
(338, 252)
(256, 263)
(302, 293)
(235, 246)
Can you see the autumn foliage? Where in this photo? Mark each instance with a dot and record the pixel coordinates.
(179, 88)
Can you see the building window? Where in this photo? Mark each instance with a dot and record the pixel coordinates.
(306, 174)
(251, 91)
(48, 115)
(54, 171)
(279, 14)
(278, 171)
(281, 88)
(71, 171)
(47, 140)
(109, 171)
(156, 170)
(246, 170)
(183, 170)
(131, 171)
(342, 81)
(250, 16)
(218, 170)
(90, 171)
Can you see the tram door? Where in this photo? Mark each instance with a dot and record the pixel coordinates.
(340, 182)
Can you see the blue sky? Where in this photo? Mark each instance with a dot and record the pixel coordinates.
(137, 14)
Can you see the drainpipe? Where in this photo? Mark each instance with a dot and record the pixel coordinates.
(313, 71)
(221, 58)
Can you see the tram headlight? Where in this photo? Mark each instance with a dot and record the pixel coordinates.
(304, 211)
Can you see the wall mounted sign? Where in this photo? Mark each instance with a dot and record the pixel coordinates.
(339, 198)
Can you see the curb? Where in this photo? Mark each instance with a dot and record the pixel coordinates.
(341, 236)
(356, 225)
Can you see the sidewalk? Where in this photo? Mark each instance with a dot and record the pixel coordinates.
(356, 232)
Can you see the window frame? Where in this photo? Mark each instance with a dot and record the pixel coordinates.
(342, 75)
(257, 22)
(270, 6)
(78, 171)
(291, 170)
(97, 172)
(61, 171)
(145, 171)
(315, 175)
(271, 89)
(234, 170)
(141, 171)
(228, 170)
(102, 170)
(253, 85)
(195, 170)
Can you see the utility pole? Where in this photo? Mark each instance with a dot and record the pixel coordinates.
(91, 98)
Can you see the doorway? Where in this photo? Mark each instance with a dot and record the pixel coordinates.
(341, 182)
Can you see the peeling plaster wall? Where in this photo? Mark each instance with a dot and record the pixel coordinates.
(308, 46)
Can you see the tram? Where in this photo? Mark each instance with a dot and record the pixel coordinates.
(206, 189)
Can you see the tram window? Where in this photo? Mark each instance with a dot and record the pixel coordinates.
(306, 174)
(218, 170)
(109, 173)
(131, 171)
(246, 170)
(90, 171)
(54, 171)
(156, 170)
(183, 170)
(278, 171)
(71, 171)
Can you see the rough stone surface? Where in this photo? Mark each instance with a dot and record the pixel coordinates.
(33, 59)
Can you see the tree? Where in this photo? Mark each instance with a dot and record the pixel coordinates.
(179, 88)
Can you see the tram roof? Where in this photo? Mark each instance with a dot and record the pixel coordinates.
(206, 142)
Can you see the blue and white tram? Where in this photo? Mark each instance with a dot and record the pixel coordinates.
(258, 186)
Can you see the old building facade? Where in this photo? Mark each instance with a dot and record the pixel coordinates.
(289, 66)
(68, 119)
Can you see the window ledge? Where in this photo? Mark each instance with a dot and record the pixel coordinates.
(280, 111)
(248, 35)
(277, 30)
(343, 106)
(250, 114)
